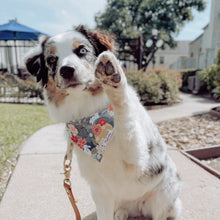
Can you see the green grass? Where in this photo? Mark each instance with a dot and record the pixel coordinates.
(17, 123)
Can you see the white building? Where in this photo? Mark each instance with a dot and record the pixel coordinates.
(208, 43)
(177, 55)
(203, 50)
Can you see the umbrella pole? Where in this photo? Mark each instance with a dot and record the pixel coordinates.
(8, 58)
(16, 56)
(1, 49)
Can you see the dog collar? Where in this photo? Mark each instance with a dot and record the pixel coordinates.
(92, 134)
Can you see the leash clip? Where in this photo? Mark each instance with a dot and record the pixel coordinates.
(67, 168)
(67, 185)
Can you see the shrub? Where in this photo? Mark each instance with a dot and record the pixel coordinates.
(12, 86)
(210, 80)
(30, 89)
(156, 86)
(216, 93)
(207, 77)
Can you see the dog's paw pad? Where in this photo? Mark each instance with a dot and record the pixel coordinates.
(107, 70)
(116, 78)
(100, 68)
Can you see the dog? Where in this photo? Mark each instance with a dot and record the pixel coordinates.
(81, 76)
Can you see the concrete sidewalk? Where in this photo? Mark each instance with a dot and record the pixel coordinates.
(190, 105)
(35, 191)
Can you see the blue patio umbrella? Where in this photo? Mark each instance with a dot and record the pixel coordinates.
(15, 31)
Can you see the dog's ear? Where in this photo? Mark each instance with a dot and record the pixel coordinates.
(100, 40)
(35, 62)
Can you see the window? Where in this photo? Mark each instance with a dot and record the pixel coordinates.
(161, 60)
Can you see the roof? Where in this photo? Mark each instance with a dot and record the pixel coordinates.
(15, 31)
(206, 26)
(200, 36)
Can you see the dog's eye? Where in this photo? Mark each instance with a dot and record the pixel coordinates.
(83, 51)
(51, 60)
(80, 51)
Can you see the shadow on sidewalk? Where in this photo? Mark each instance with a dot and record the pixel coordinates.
(93, 216)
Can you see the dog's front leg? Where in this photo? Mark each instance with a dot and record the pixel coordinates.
(128, 113)
(104, 204)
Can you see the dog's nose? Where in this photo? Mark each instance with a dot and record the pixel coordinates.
(67, 72)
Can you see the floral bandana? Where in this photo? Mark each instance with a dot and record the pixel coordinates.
(93, 133)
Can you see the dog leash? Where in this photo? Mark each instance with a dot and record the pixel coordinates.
(67, 185)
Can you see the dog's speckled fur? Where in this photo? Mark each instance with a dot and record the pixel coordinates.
(136, 175)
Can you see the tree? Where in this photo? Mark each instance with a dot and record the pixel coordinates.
(132, 21)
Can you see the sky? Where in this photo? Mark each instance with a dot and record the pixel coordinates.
(56, 16)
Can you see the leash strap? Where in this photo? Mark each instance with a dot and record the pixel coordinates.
(68, 188)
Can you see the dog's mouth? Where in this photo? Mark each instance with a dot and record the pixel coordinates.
(73, 85)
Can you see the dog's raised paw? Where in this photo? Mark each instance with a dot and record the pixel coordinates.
(107, 70)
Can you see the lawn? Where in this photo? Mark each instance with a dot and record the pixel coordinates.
(17, 123)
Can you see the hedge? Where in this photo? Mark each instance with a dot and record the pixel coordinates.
(210, 79)
(12, 86)
(156, 86)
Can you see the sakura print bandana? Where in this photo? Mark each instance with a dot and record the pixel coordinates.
(92, 134)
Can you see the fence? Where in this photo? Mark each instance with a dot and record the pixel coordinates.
(17, 100)
(19, 95)
(194, 83)
(12, 54)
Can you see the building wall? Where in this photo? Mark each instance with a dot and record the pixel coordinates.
(203, 50)
(165, 58)
(211, 36)
(206, 46)
(195, 50)
(207, 56)
(215, 22)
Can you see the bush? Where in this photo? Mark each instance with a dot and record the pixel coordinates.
(216, 93)
(207, 77)
(210, 79)
(30, 90)
(156, 86)
(12, 86)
